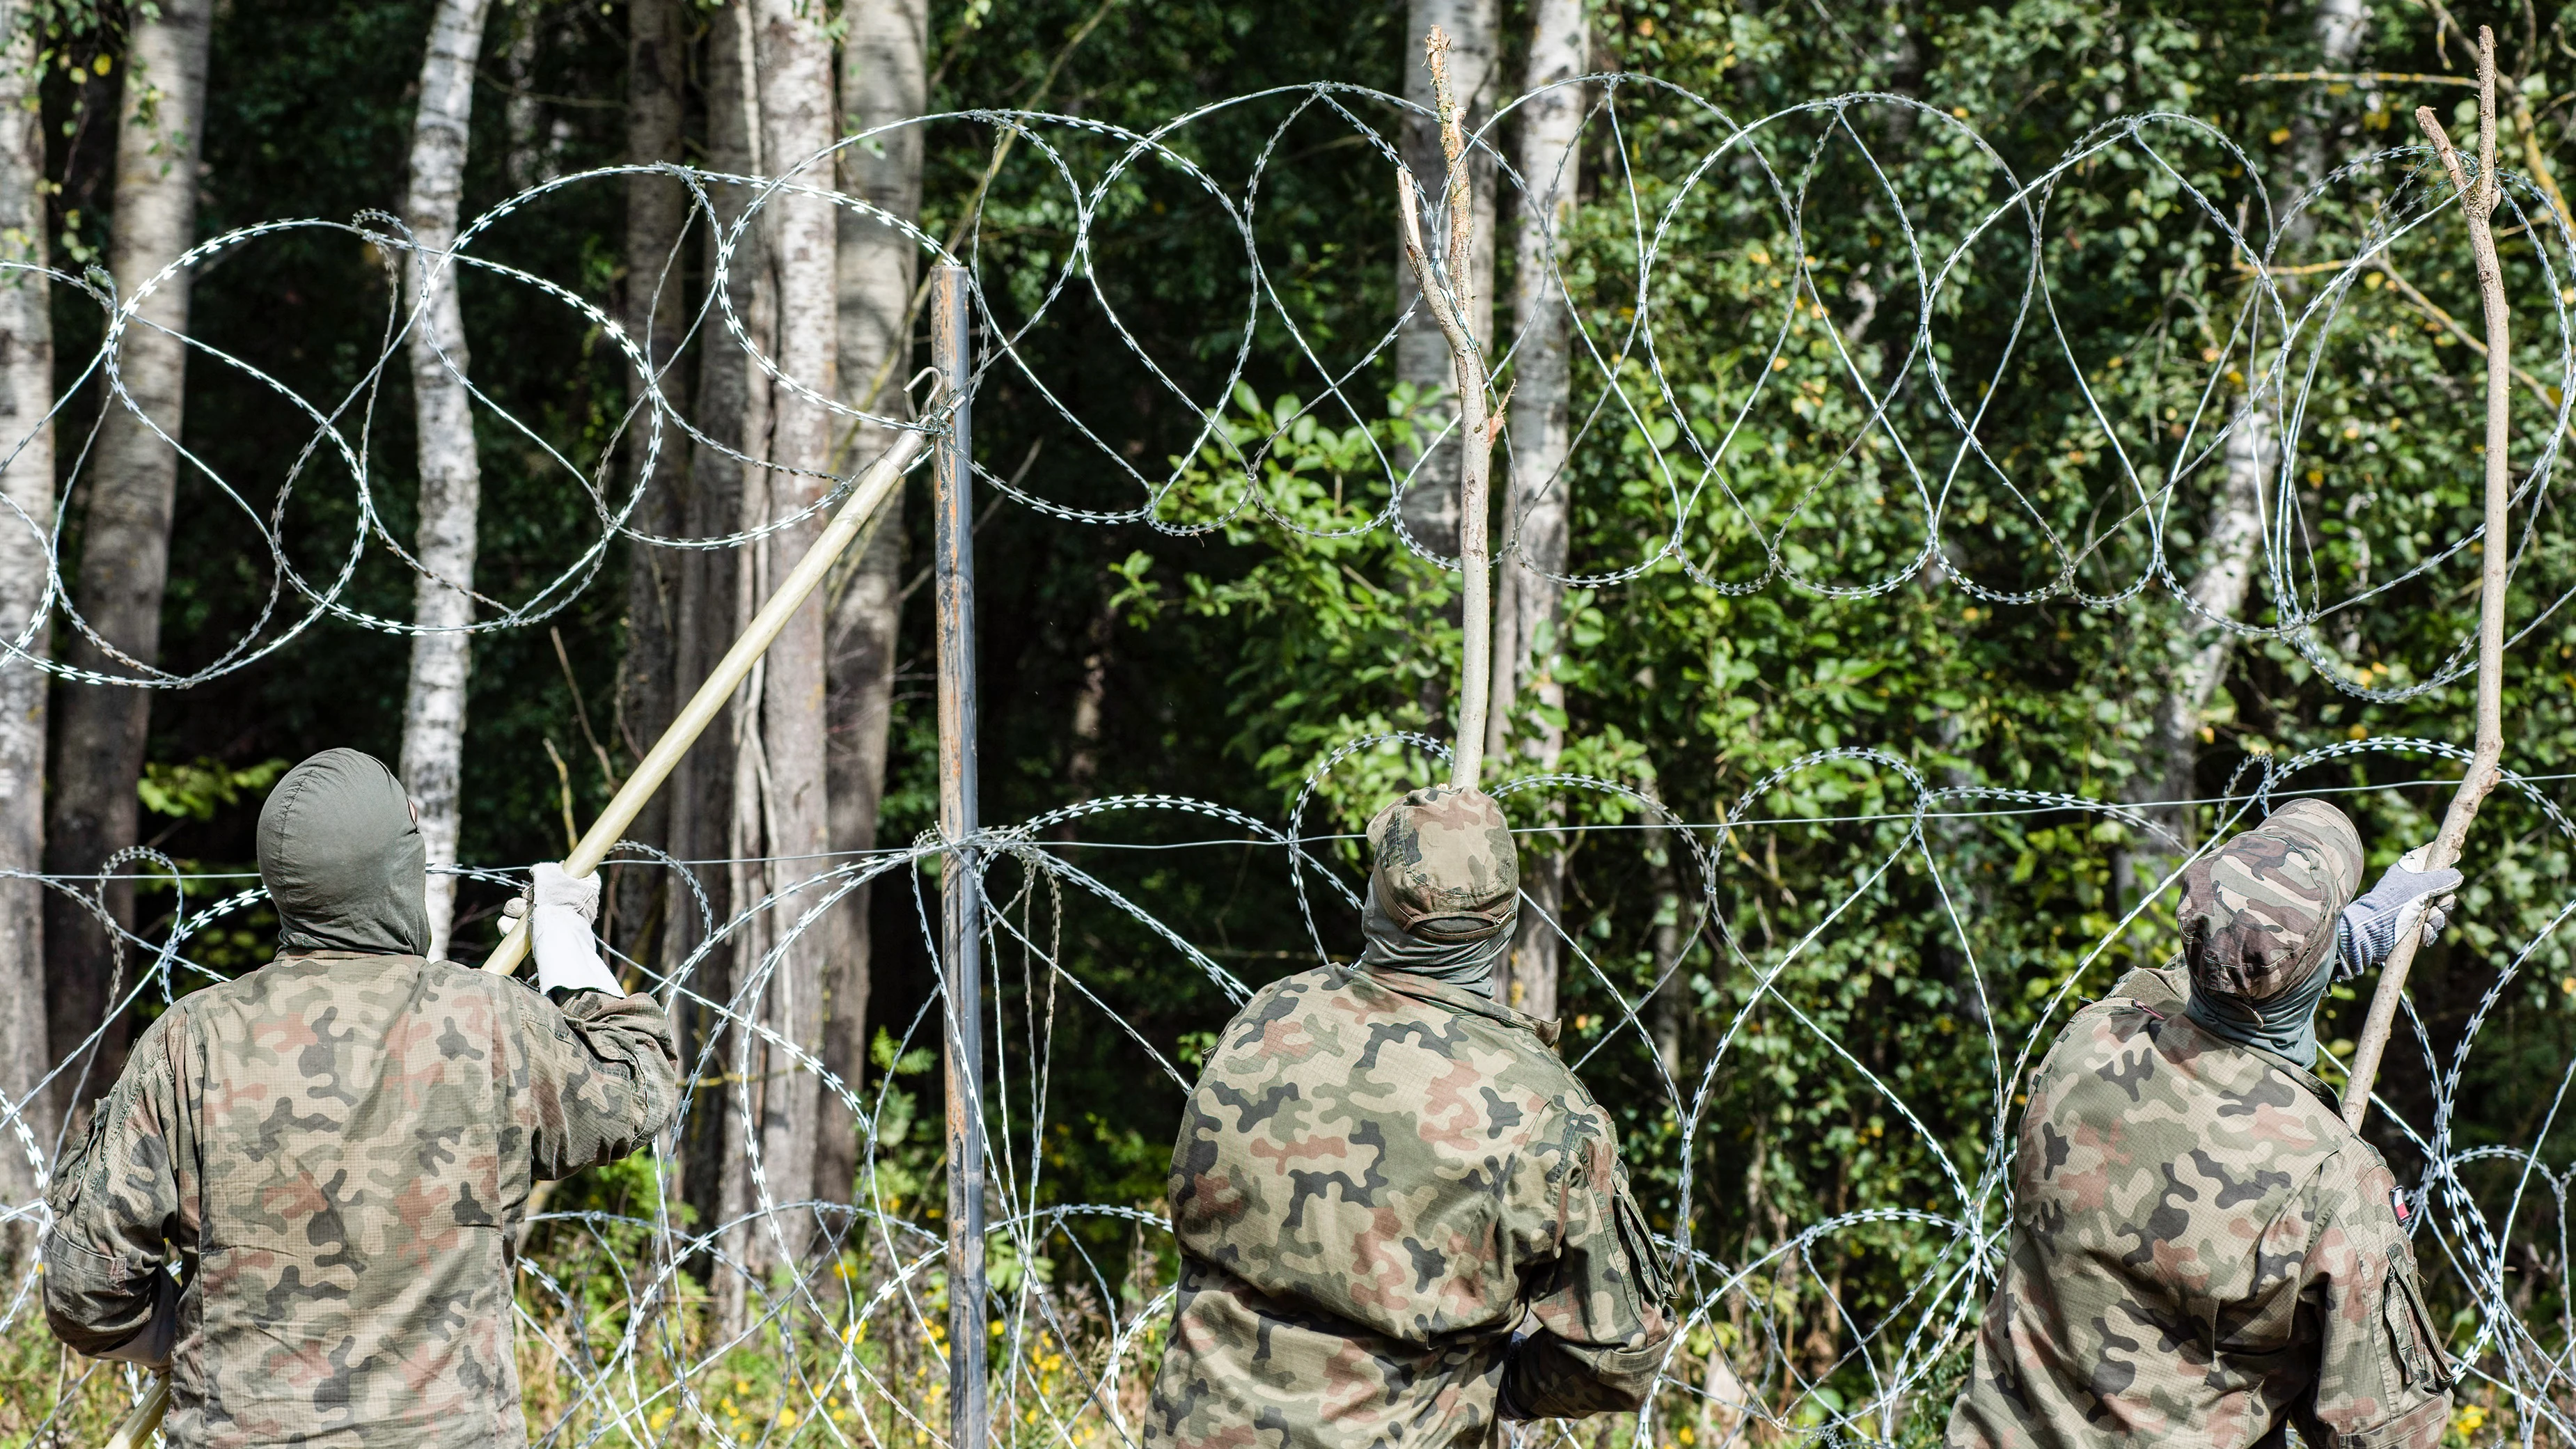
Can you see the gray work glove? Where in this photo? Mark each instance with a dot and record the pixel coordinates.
(2367, 931)
(560, 909)
(151, 1345)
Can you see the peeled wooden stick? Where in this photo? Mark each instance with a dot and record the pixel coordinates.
(2478, 199)
(139, 1426)
(1449, 305)
(879, 484)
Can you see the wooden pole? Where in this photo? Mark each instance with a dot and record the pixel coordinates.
(879, 483)
(140, 1425)
(2478, 197)
(961, 954)
(1449, 305)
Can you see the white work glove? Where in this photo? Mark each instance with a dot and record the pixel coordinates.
(151, 1345)
(559, 933)
(2368, 929)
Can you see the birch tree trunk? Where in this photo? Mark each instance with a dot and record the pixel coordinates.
(535, 140)
(1528, 601)
(732, 410)
(1090, 698)
(433, 738)
(26, 531)
(99, 731)
(2341, 27)
(798, 232)
(1421, 354)
(656, 214)
(884, 79)
(2231, 548)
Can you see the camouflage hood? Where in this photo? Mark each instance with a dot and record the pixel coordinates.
(1445, 890)
(2258, 926)
(343, 860)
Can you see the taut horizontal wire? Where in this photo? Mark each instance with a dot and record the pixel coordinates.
(1754, 823)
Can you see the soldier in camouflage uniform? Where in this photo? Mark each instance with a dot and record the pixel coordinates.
(1401, 1218)
(337, 1147)
(2202, 1253)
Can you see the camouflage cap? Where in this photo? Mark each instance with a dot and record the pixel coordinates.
(2258, 915)
(1446, 866)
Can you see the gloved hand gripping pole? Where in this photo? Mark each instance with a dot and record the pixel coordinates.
(2478, 197)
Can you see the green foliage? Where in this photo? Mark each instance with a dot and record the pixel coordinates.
(1344, 631)
(197, 789)
(899, 1168)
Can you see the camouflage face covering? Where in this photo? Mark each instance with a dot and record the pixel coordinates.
(1459, 963)
(1445, 891)
(2258, 924)
(343, 860)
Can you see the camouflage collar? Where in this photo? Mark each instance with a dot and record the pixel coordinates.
(297, 955)
(2314, 1084)
(1456, 998)
(2154, 993)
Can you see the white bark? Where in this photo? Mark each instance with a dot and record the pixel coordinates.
(2231, 547)
(125, 537)
(536, 141)
(2339, 30)
(433, 739)
(1539, 420)
(2230, 550)
(794, 58)
(1540, 417)
(26, 528)
(1421, 353)
(884, 79)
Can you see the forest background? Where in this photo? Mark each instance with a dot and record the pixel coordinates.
(1225, 665)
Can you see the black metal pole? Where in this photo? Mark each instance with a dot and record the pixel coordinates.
(961, 954)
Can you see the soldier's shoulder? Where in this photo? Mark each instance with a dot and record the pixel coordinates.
(456, 978)
(1284, 997)
(1299, 985)
(1272, 1022)
(246, 994)
(2157, 988)
(172, 1022)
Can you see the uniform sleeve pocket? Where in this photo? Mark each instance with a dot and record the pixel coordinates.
(85, 1285)
(1644, 1259)
(65, 1258)
(2418, 1428)
(64, 1192)
(2418, 1350)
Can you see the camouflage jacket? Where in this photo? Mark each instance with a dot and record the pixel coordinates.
(1379, 1179)
(2202, 1254)
(338, 1147)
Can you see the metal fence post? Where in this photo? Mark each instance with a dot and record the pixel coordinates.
(961, 953)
